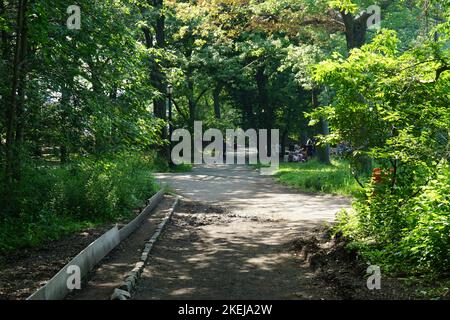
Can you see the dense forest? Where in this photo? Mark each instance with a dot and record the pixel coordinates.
(85, 116)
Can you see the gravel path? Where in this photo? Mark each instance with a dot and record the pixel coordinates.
(229, 238)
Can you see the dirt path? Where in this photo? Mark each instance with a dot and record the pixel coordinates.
(231, 242)
(109, 274)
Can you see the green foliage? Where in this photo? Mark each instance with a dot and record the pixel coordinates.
(344, 5)
(412, 239)
(81, 95)
(426, 241)
(393, 107)
(52, 201)
(317, 177)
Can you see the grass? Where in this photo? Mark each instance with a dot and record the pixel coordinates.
(52, 201)
(181, 168)
(314, 176)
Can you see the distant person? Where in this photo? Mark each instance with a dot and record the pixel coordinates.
(304, 155)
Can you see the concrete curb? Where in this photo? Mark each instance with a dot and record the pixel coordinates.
(57, 287)
(127, 287)
(136, 222)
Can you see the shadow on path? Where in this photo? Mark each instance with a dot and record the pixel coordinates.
(240, 252)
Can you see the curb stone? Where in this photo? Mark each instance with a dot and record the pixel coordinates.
(56, 287)
(120, 295)
(126, 288)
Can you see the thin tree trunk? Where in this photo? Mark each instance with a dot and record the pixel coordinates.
(157, 75)
(65, 105)
(284, 137)
(5, 56)
(356, 30)
(323, 152)
(248, 116)
(191, 102)
(21, 89)
(216, 98)
(267, 115)
(12, 152)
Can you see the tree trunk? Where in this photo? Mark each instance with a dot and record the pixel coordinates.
(17, 80)
(248, 116)
(65, 125)
(267, 115)
(18, 140)
(63, 155)
(265, 119)
(216, 98)
(355, 29)
(5, 71)
(157, 76)
(21, 92)
(284, 137)
(323, 152)
(191, 102)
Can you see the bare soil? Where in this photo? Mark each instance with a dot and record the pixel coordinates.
(208, 252)
(111, 271)
(234, 235)
(346, 272)
(25, 271)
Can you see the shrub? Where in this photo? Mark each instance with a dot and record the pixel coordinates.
(426, 241)
(412, 238)
(51, 201)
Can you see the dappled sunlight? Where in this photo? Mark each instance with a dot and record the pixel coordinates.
(243, 189)
(243, 251)
(241, 257)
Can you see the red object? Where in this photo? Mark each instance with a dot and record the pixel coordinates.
(376, 174)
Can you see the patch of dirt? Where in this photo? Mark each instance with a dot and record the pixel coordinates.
(193, 207)
(100, 283)
(25, 271)
(201, 214)
(197, 214)
(345, 271)
(206, 252)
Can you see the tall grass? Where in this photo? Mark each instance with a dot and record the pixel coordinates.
(51, 201)
(314, 176)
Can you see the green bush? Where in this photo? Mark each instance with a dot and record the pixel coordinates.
(403, 234)
(426, 239)
(51, 201)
